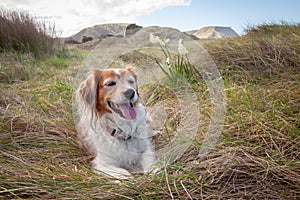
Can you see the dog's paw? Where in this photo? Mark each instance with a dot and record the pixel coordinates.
(117, 173)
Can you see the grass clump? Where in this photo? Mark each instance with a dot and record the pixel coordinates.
(265, 51)
(179, 69)
(22, 33)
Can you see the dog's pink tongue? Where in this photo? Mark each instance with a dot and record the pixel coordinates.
(128, 111)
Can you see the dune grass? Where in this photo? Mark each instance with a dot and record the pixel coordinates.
(257, 156)
(22, 33)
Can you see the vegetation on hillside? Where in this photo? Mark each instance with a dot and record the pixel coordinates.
(257, 156)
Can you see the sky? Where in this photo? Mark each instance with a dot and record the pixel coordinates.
(70, 16)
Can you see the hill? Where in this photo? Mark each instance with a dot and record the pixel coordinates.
(210, 32)
(123, 30)
(103, 30)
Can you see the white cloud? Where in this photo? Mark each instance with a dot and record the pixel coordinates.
(71, 16)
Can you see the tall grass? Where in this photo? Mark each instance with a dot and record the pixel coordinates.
(22, 33)
(265, 51)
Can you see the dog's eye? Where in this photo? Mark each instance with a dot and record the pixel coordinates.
(111, 83)
(131, 81)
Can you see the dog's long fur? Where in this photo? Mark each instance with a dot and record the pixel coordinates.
(112, 122)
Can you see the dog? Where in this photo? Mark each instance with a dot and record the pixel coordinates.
(112, 122)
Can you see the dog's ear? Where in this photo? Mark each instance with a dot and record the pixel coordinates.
(130, 68)
(86, 95)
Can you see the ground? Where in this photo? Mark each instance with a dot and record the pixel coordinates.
(256, 157)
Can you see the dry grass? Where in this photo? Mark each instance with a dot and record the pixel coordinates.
(265, 51)
(21, 32)
(257, 156)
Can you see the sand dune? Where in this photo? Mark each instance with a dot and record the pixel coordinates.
(215, 32)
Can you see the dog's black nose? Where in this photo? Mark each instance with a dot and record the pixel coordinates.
(129, 94)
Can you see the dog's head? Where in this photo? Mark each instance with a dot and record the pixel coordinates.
(110, 90)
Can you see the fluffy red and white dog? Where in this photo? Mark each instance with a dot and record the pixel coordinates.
(112, 122)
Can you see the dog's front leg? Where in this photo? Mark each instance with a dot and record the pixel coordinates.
(147, 161)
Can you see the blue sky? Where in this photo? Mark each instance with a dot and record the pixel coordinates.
(237, 14)
(70, 16)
